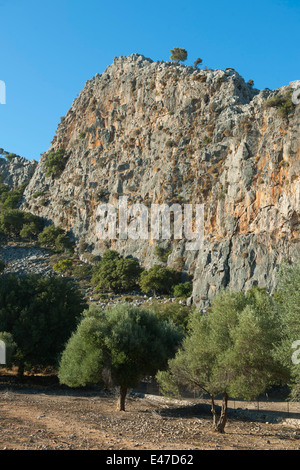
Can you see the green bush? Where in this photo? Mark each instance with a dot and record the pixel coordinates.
(116, 273)
(173, 311)
(4, 189)
(162, 253)
(283, 102)
(159, 280)
(82, 271)
(183, 290)
(40, 313)
(54, 237)
(12, 222)
(11, 198)
(29, 230)
(55, 163)
(63, 265)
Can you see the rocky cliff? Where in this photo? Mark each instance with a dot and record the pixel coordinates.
(16, 171)
(159, 132)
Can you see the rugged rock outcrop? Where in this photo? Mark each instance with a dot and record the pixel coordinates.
(160, 132)
(17, 171)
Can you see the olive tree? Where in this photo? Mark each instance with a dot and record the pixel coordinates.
(40, 313)
(288, 296)
(118, 346)
(229, 351)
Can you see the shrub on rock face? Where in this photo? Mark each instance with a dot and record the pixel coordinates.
(283, 102)
(55, 163)
(162, 253)
(197, 62)
(11, 198)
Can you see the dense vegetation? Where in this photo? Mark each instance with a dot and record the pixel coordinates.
(16, 223)
(39, 313)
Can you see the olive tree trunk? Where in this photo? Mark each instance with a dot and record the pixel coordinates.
(122, 398)
(219, 424)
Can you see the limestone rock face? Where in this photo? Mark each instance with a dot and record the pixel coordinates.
(158, 132)
(17, 171)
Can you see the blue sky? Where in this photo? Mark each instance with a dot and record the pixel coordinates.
(49, 49)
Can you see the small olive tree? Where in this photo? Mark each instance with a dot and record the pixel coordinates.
(230, 351)
(118, 346)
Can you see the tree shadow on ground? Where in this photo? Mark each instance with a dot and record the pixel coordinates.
(204, 410)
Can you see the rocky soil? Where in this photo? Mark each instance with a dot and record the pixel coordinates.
(35, 417)
(25, 259)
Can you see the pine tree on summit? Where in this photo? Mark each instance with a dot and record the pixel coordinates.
(178, 54)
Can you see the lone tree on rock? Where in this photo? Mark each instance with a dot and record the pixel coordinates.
(197, 62)
(118, 346)
(178, 54)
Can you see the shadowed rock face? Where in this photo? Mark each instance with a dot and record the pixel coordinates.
(158, 132)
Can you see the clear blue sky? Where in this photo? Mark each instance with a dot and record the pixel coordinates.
(49, 49)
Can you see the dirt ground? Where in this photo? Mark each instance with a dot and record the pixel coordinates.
(51, 418)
